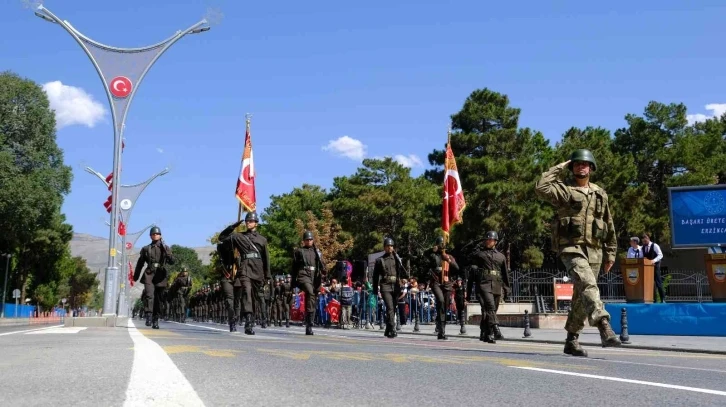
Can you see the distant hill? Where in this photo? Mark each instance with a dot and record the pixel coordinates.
(95, 250)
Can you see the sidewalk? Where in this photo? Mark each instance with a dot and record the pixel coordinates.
(588, 337)
(30, 321)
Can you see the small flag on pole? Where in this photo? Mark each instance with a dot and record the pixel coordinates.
(246, 181)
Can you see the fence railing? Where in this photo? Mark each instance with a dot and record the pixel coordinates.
(537, 286)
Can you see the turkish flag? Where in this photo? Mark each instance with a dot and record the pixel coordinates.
(246, 181)
(131, 275)
(453, 200)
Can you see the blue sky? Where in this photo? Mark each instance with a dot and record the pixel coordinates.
(386, 75)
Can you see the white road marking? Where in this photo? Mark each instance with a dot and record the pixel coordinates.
(238, 333)
(59, 330)
(29, 330)
(155, 379)
(618, 379)
(656, 365)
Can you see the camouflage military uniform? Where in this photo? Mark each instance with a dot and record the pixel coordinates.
(584, 224)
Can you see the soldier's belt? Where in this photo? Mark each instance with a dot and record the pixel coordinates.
(390, 279)
(492, 272)
(308, 268)
(439, 268)
(154, 265)
(252, 256)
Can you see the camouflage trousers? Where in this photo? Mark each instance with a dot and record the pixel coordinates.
(586, 302)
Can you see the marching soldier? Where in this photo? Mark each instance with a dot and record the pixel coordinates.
(584, 225)
(460, 300)
(278, 303)
(308, 270)
(254, 267)
(287, 299)
(490, 276)
(441, 285)
(155, 277)
(387, 274)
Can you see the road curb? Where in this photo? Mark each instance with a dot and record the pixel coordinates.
(589, 344)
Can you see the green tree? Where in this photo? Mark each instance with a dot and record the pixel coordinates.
(186, 257)
(330, 239)
(382, 199)
(498, 165)
(667, 152)
(33, 179)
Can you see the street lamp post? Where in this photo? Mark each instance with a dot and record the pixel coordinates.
(121, 70)
(5, 286)
(129, 195)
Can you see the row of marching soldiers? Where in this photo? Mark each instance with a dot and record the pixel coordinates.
(245, 272)
(209, 305)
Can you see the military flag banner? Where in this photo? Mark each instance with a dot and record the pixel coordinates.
(246, 181)
(453, 200)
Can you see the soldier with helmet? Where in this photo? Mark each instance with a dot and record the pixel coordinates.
(308, 269)
(583, 226)
(489, 274)
(387, 274)
(253, 269)
(440, 282)
(156, 255)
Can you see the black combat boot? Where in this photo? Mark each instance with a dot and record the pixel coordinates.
(248, 325)
(442, 331)
(607, 336)
(415, 325)
(497, 333)
(309, 324)
(462, 331)
(148, 319)
(232, 325)
(572, 346)
(287, 322)
(155, 323)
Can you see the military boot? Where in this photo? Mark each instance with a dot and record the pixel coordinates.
(442, 331)
(572, 346)
(287, 322)
(248, 325)
(309, 324)
(607, 336)
(497, 333)
(462, 331)
(232, 325)
(148, 319)
(415, 326)
(155, 323)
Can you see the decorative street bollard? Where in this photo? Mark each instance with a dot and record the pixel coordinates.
(527, 332)
(624, 337)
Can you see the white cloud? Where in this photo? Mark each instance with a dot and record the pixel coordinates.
(73, 105)
(717, 109)
(347, 147)
(409, 161)
(160, 150)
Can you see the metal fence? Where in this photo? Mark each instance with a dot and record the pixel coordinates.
(537, 286)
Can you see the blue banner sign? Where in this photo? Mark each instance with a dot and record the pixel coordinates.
(698, 216)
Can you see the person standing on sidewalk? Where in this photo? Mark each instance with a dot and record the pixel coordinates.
(584, 224)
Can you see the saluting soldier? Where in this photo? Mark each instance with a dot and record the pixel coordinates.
(254, 267)
(584, 225)
(441, 285)
(387, 274)
(490, 276)
(156, 255)
(308, 270)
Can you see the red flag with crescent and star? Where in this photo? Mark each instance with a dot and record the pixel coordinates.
(453, 200)
(246, 181)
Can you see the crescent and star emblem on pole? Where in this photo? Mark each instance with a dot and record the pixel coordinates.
(120, 86)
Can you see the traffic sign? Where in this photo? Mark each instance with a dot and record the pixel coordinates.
(63, 300)
(16, 293)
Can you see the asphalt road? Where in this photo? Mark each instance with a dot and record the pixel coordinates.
(203, 364)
